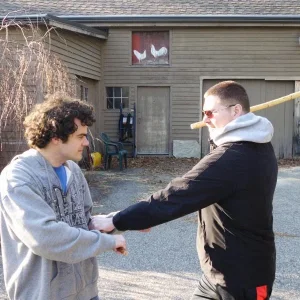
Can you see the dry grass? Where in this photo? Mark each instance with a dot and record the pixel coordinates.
(176, 166)
(288, 163)
(163, 164)
(182, 165)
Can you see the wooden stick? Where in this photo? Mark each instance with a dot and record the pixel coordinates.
(268, 104)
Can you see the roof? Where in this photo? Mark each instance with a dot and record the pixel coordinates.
(150, 7)
(72, 26)
(57, 22)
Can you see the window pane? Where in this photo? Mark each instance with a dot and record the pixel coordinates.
(125, 92)
(109, 92)
(117, 103)
(117, 91)
(110, 103)
(116, 96)
(81, 92)
(86, 93)
(125, 102)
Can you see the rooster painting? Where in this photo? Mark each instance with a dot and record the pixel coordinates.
(157, 53)
(140, 56)
(151, 48)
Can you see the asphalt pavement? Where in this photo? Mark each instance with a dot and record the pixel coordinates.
(163, 263)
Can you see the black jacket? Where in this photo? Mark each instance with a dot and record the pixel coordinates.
(232, 188)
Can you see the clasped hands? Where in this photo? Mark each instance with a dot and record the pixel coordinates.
(104, 223)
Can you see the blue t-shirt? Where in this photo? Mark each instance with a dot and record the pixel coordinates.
(62, 175)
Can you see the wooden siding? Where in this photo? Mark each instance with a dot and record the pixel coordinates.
(92, 98)
(81, 54)
(194, 52)
(198, 52)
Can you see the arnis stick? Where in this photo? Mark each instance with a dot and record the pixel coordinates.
(258, 107)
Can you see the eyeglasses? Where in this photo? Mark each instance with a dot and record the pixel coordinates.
(210, 113)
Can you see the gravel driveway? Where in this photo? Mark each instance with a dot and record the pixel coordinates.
(163, 264)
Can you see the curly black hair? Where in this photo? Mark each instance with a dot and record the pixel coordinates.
(54, 118)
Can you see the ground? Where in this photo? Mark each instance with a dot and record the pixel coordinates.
(174, 165)
(163, 164)
(163, 264)
(288, 163)
(155, 172)
(167, 256)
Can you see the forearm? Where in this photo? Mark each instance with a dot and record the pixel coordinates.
(157, 210)
(182, 196)
(36, 227)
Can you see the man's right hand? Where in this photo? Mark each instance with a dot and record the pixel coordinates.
(120, 244)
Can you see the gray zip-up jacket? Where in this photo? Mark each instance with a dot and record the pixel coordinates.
(47, 250)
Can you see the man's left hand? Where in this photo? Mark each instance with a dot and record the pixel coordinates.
(101, 223)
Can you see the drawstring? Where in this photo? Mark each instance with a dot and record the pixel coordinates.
(58, 198)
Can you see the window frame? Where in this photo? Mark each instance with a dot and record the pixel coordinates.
(121, 97)
(84, 93)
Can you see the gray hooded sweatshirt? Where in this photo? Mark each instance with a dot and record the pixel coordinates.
(47, 250)
(248, 128)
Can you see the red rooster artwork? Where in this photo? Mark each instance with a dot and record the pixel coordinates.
(150, 48)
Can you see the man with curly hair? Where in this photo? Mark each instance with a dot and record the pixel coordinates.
(48, 250)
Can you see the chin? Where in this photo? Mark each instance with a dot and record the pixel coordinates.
(77, 158)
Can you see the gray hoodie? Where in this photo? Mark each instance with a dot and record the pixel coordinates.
(248, 128)
(47, 250)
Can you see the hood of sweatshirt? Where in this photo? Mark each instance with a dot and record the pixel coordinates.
(248, 127)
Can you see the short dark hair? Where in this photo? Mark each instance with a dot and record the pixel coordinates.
(230, 92)
(54, 118)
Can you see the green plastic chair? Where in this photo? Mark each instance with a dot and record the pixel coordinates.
(111, 149)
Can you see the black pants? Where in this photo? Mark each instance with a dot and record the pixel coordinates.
(209, 291)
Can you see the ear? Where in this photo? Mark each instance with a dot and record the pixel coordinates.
(55, 140)
(238, 110)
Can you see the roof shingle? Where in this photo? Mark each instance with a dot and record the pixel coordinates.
(150, 7)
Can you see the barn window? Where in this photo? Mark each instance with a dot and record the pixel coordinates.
(117, 96)
(84, 93)
(150, 48)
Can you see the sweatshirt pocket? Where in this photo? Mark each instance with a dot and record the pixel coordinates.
(64, 282)
(88, 271)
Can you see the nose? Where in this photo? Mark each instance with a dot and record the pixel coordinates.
(85, 141)
(205, 118)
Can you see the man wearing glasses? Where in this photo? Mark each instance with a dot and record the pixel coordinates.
(232, 189)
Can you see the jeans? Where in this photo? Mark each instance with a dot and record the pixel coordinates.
(209, 291)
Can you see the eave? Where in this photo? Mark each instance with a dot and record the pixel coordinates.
(57, 22)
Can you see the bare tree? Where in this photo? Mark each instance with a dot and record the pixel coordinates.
(28, 71)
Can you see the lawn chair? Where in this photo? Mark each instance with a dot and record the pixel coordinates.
(111, 149)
